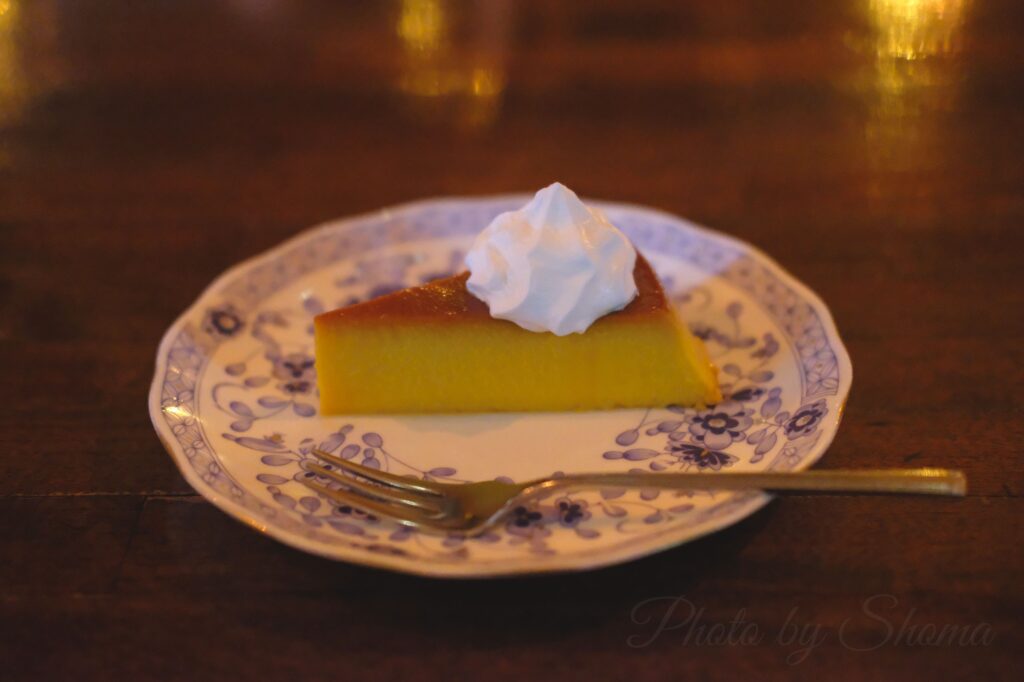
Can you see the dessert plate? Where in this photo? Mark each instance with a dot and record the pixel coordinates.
(234, 399)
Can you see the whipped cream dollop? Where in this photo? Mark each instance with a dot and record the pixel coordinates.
(555, 265)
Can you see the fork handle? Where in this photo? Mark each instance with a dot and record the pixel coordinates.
(923, 481)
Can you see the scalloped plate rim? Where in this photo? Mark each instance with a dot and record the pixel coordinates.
(520, 566)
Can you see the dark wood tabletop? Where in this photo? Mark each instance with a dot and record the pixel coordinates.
(873, 147)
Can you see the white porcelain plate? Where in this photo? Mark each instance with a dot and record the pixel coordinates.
(234, 399)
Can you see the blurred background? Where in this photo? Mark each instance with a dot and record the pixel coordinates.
(320, 101)
(228, 125)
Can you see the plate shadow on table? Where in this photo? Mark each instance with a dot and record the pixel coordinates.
(226, 561)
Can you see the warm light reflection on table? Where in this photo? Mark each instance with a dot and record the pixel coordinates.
(915, 29)
(454, 56)
(13, 90)
(30, 59)
(914, 81)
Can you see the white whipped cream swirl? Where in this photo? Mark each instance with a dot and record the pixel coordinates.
(554, 265)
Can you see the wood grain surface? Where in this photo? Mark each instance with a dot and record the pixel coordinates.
(873, 147)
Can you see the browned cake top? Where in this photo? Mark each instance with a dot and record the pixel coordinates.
(449, 297)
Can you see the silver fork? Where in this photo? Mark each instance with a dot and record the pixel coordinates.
(472, 508)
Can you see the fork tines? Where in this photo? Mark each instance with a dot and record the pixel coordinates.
(407, 500)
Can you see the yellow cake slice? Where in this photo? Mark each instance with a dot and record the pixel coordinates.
(436, 348)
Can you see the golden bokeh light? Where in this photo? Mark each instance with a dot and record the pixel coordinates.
(13, 82)
(421, 25)
(31, 62)
(915, 45)
(915, 29)
(453, 59)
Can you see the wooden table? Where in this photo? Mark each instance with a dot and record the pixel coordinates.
(873, 147)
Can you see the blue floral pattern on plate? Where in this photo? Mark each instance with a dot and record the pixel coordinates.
(234, 399)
